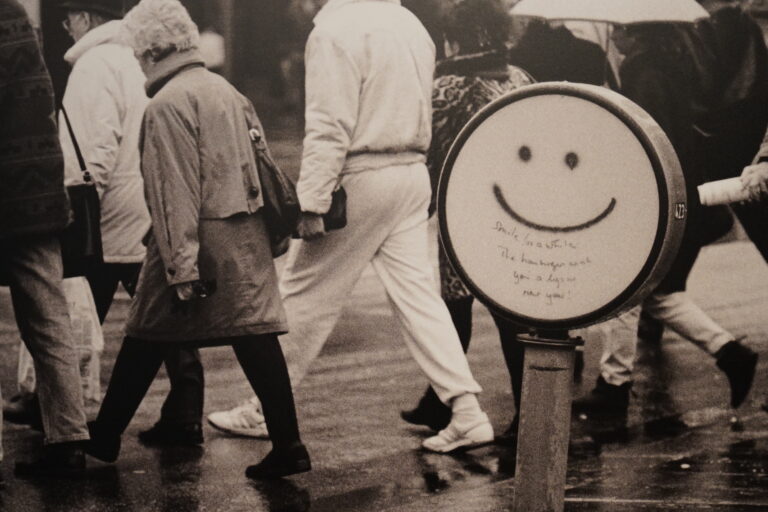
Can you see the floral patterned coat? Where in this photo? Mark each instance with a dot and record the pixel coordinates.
(455, 99)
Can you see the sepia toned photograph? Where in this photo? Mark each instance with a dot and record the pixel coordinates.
(383, 255)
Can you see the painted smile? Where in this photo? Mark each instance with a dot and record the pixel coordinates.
(556, 229)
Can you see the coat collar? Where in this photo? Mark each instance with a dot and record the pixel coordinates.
(333, 5)
(103, 34)
(491, 64)
(169, 67)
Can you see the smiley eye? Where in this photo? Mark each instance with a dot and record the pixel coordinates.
(524, 153)
(572, 160)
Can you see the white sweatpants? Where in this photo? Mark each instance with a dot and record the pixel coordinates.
(678, 313)
(386, 226)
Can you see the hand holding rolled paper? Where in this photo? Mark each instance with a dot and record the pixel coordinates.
(731, 190)
(755, 179)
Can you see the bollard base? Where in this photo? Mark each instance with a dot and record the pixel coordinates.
(545, 422)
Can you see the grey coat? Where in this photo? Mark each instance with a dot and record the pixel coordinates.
(204, 199)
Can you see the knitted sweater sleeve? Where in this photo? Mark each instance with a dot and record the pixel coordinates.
(32, 196)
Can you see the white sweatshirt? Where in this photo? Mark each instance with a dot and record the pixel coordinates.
(105, 100)
(369, 74)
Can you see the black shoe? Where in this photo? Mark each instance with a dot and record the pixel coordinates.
(738, 363)
(23, 410)
(165, 434)
(59, 460)
(430, 412)
(509, 436)
(280, 463)
(604, 399)
(102, 446)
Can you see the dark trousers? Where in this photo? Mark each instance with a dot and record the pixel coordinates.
(754, 218)
(184, 403)
(260, 357)
(32, 268)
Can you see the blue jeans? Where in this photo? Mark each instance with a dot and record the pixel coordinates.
(32, 266)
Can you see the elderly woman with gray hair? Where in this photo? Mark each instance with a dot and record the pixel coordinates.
(208, 278)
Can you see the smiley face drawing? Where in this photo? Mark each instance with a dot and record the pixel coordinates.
(555, 203)
(571, 160)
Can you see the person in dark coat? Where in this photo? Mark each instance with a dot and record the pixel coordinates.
(733, 128)
(553, 53)
(659, 74)
(208, 278)
(34, 209)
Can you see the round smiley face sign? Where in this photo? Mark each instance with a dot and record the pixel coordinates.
(561, 205)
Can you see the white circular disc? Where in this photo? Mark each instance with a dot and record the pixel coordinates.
(554, 204)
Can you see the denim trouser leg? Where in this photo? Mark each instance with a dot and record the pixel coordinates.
(34, 266)
(26, 372)
(678, 312)
(618, 358)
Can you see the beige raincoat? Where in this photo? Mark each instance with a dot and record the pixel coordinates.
(204, 200)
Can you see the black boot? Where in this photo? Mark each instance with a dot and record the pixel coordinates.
(738, 363)
(102, 445)
(23, 410)
(604, 399)
(430, 412)
(165, 434)
(281, 462)
(59, 460)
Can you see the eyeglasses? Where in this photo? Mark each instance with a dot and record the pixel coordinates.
(67, 22)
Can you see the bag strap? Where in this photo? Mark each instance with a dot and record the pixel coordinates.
(80, 160)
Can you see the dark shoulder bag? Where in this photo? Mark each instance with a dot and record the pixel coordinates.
(81, 240)
(281, 204)
(336, 216)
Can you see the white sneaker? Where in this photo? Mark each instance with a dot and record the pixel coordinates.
(244, 420)
(451, 438)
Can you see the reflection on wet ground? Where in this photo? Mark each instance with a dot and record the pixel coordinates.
(678, 448)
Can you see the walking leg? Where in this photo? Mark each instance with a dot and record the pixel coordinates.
(262, 361)
(135, 368)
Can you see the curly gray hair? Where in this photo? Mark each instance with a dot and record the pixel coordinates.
(159, 27)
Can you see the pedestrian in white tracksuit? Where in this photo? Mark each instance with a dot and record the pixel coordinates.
(370, 66)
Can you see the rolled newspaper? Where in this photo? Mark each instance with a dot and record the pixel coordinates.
(722, 192)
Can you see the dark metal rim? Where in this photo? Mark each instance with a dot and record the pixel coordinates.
(613, 306)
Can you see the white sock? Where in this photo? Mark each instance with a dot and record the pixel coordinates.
(466, 412)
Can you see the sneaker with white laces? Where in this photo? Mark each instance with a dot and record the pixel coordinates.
(452, 437)
(244, 420)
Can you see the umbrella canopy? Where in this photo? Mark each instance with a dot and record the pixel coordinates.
(623, 12)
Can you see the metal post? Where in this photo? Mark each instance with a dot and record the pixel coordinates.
(545, 422)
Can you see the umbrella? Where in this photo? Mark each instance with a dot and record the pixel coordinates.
(622, 12)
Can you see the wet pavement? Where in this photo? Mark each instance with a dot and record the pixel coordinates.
(680, 448)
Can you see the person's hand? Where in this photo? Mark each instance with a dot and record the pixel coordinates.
(184, 291)
(310, 226)
(754, 178)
